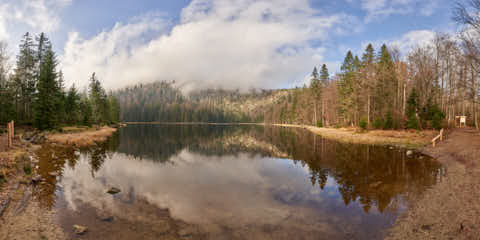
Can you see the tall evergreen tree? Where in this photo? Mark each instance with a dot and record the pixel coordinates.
(412, 108)
(324, 75)
(346, 87)
(7, 110)
(115, 109)
(316, 89)
(86, 111)
(368, 75)
(386, 85)
(25, 82)
(61, 98)
(47, 96)
(98, 100)
(72, 106)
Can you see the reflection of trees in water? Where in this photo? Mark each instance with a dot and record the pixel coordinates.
(161, 142)
(370, 174)
(53, 159)
(375, 176)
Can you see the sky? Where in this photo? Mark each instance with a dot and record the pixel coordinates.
(217, 43)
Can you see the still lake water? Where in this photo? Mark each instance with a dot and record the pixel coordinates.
(230, 182)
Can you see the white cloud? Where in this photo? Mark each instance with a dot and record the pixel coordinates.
(405, 43)
(19, 16)
(3, 22)
(218, 43)
(413, 39)
(377, 9)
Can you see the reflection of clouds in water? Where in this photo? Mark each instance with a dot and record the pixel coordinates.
(228, 190)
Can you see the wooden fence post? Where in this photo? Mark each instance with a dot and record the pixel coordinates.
(9, 137)
(11, 133)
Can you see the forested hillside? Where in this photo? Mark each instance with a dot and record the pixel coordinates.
(33, 91)
(164, 102)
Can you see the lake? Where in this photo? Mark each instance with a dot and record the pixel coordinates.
(230, 182)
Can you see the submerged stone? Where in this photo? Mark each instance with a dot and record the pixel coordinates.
(36, 179)
(80, 230)
(113, 190)
(105, 217)
(409, 153)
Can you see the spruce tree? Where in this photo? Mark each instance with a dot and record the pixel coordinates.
(86, 111)
(412, 108)
(72, 102)
(61, 98)
(99, 102)
(386, 85)
(25, 81)
(115, 108)
(47, 96)
(316, 89)
(7, 110)
(346, 88)
(324, 75)
(368, 75)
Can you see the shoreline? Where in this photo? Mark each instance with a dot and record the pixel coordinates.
(450, 209)
(18, 208)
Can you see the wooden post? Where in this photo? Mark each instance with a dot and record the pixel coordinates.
(9, 127)
(440, 136)
(11, 133)
(8, 134)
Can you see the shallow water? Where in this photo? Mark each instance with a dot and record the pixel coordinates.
(231, 182)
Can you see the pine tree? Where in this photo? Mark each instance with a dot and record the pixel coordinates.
(47, 96)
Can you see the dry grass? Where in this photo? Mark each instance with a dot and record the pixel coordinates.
(402, 138)
(80, 137)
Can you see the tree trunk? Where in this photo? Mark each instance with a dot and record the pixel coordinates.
(368, 110)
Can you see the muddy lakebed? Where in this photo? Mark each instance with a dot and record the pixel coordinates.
(230, 182)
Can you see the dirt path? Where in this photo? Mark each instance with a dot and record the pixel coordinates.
(451, 209)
